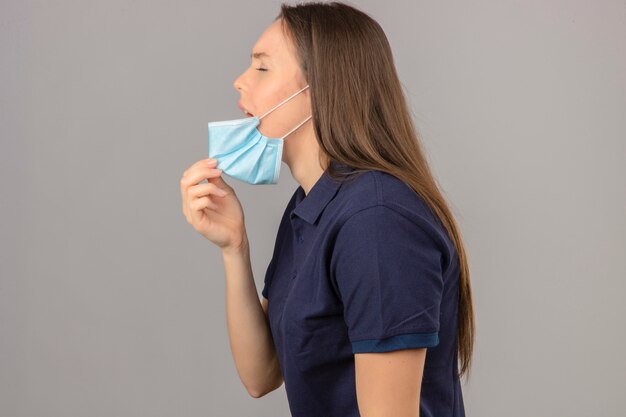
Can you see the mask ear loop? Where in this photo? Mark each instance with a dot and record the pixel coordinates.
(284, 101)
(293, 130)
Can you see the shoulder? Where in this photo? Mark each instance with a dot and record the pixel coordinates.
(378, 190)
(376, 199)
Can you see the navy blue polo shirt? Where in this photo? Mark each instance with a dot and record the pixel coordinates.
(361, 265)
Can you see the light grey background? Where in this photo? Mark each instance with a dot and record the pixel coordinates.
(112, 305)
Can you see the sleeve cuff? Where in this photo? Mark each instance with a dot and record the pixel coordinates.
(402, 341)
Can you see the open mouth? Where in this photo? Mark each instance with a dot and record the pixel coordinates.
(244, 110)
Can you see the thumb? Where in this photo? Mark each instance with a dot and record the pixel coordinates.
(219, 181)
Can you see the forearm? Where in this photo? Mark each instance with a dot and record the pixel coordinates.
(249, 333)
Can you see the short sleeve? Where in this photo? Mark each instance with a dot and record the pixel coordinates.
(388, 271)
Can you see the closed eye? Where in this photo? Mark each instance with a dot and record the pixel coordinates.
(261, 69)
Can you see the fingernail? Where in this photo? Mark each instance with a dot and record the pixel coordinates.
(211, 160)
(222, 192)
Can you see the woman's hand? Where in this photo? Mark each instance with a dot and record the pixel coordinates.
(212, 208)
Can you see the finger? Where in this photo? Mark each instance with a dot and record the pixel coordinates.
(205, 189)
(202, 204)
(198, 175)
(195, 177)
(200, 197)
(219, 181)
(203, 163)
(210, 162)
(195, 213)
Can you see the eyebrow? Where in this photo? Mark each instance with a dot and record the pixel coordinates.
(259, 55)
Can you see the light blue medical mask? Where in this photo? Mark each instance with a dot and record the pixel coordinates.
(243, 152)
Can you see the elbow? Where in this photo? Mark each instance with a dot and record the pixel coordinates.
(255, 394)
(258, 393)
(254, 391)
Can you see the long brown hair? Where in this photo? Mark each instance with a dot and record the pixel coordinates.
(361, 118)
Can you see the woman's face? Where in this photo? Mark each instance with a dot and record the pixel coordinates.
(273, 76)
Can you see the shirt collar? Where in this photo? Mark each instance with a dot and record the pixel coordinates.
(310, 206)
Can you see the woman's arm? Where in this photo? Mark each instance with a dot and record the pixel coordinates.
(389, 383)
(249, 332)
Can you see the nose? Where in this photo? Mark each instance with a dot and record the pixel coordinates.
(237, 84)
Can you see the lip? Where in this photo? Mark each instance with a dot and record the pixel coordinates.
(242, 108)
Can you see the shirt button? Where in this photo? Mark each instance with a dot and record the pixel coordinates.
(293, 275)
(300, 238)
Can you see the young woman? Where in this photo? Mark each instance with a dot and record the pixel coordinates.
(368, 272)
